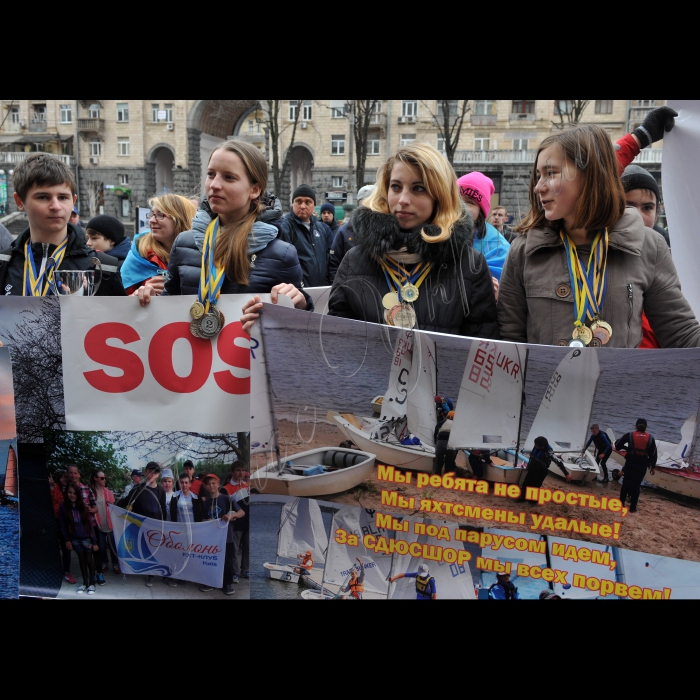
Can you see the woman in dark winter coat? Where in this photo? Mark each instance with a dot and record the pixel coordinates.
(231, 228)
(413, 264)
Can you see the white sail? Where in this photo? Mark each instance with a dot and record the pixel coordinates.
(487, 415)
(566, 405)
(421, 413)
(261, 426)
(684, 449)
(341, 558)
(395, 399)
(302, 529)
(452, 581)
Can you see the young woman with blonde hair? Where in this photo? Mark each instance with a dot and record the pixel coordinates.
(148, 258)
(230, 232)
(587, 266)
(413, 264)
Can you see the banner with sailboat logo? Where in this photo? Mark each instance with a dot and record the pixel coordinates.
(186, 551)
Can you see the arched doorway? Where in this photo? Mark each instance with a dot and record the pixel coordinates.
(165, 161)
(301, 166)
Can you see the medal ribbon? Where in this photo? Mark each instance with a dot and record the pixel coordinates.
(589, 286)
(32, 280)
(211, 277)
(415, 277)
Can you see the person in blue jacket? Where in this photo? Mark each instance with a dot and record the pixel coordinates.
(603, 448)
(503, 589)
(476, 190)
(425, 583)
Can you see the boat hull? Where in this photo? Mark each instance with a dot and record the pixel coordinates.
(582, 470)
(268, 480)
(281, 572)
(416, 458)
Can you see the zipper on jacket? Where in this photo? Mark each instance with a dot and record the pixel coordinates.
(629, 315)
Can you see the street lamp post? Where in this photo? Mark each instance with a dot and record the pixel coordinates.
(350, 109)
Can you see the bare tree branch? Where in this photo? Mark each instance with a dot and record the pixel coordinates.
(569, 112)
(449, 123)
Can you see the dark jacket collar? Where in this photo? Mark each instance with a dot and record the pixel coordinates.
(76, 241)
(627, 235)
(378, 233)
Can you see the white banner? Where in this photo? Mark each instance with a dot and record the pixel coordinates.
(142, 366)
(187, 551)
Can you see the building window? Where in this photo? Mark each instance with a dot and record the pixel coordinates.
(373, 147)
(337, 109)
(122, 111)
(123, 179)
(123, 146)
(14, 115)
(39, 113)
(522, 107)
(254, 126)
(483, 107)
(66, 114)
(563, 106)
(603, 106)
(306, 111)
(645, 103)
(293, 105)
(409, 108)
(441, 144)
(154, 112)
(94, 111)
(337, 180)
(451, 108)
(169, 113)
(338, 145)
(407, 138)
(482, 142)
(520, 144)
(126, 208)
(95, 147)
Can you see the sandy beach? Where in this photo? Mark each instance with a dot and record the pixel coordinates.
(662, 525)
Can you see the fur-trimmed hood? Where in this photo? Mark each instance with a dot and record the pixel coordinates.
(378, 233)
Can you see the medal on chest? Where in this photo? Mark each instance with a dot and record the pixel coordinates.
(207, 320)
(404, 292)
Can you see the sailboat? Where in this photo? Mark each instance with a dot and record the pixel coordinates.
(489, 408)
(407, 409)
(301, 530)
(677, 466)
(341, 559)
(8, 495)
(319, 472)
(564, 414)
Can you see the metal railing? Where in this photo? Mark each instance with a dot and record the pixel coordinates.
(495, 156)
(649, 155)
(483, 120)
(91, 124)
(522, 117)
(19, 156)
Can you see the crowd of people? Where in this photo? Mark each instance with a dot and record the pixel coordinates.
(85, 523)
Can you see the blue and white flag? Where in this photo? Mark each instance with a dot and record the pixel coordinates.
(187, 551)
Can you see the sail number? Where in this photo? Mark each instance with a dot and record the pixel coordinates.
(553, 383)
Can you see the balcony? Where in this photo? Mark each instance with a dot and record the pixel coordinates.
(483, 120)
(463, 157)
(91, 125)
(520, 117)
(637, 114)
(377, 119)
(37, 127)
(649, 155)
(14, 157)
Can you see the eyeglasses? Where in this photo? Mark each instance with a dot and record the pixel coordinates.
(101, 478)
(159, 216)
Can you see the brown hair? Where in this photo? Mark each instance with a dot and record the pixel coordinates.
(182, 212)
(232, 243)
(589, 150)
(440, 182)
(43, 170)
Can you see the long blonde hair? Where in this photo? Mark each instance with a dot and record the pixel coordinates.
(440, 182)
(231, 251)
(182, 212)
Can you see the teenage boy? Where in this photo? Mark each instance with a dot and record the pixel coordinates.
(106, 234)
(45, 191)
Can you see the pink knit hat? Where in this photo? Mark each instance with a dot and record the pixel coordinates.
(479, 188)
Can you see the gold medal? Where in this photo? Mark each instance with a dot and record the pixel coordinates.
(390, 300)
(601, 330)
(197, 310)
(403, 316)
(583, 333)
(409, 292)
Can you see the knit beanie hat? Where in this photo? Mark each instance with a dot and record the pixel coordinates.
(108, 226)
(635, 177)
(304, 191)
(479, 188)
(328, 207)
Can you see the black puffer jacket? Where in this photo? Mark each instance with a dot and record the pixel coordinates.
(274, 264)
(457, 296)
